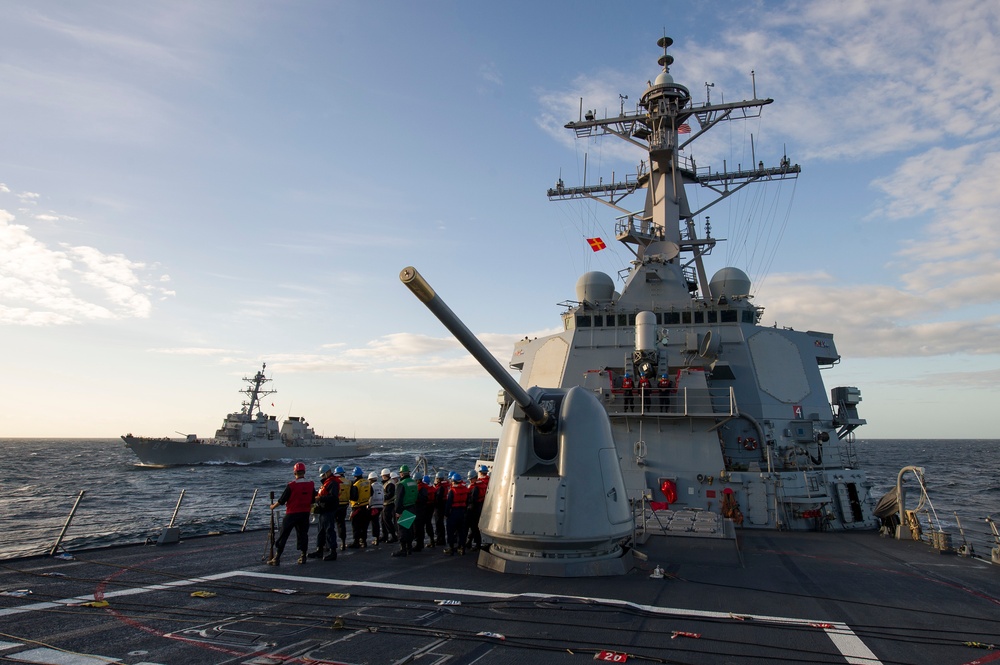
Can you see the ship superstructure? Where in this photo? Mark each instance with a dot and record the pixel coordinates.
(725, 415)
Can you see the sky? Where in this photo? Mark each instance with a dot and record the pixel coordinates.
(191, 189)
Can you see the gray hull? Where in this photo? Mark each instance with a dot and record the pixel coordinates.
(170, 452)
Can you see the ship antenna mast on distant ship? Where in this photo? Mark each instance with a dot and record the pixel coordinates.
(254, 391)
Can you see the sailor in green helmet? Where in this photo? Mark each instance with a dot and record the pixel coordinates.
(406, 502)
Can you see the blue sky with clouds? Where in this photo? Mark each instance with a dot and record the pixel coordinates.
(190, 189)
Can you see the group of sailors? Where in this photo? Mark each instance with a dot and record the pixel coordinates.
(415, 512)
(661, 391)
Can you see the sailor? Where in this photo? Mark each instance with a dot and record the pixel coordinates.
(421, 523)
(389, 506)
(646, 391)
(344, 500)
(627, 386)
(375, 505)
(406, 501)
(477, 494)
(327, 502)
(455, 505)
(361, 492)
(664, 386)
(438, 498)
(427, 511)
(297, 500)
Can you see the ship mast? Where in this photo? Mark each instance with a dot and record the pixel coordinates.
(255, 391)
(665, 228)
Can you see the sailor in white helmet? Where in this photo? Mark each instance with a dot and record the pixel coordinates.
(389, 509)
(375, 504)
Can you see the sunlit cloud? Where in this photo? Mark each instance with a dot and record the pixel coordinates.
(42, 286)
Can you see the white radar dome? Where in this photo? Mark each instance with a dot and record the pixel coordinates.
(730, 282)
(595, 287)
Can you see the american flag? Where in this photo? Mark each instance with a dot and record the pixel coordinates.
(596, 244)
(684, 129)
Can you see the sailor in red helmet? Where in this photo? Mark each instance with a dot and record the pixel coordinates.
(298, 500)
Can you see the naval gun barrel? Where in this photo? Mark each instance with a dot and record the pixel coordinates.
(423, 291)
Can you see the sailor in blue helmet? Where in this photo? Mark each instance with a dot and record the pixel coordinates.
(627, 387)
(665, 388)
(327, 502)
(297, 498)
(477, 495)
(344, 500)
(361, 493)
(455, 505)
(437, 496)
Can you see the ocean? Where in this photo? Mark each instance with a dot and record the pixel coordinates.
(123, 502)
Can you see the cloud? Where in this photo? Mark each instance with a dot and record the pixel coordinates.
(192, 351)
(42, 286)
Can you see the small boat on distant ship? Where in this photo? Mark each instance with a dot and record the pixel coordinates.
(246, 436)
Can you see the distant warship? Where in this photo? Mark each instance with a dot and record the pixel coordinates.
(668, 400)
(246, 436)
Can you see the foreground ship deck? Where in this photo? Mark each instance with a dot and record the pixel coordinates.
(779, 597)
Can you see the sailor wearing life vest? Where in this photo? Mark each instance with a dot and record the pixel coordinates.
(455, 505)
(297, 500)
(389, 482)
(361, 493)
(344, 500)
(406, 502)
(375, 505)
(327, 502)
(627, 387)
(424, 524)
(437, 496)
(646, 390)
(477, 494)
(664, 386)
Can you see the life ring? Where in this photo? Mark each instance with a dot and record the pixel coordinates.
(669, 489)
(748, 443)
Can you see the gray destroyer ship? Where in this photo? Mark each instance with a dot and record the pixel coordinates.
(669, 394)
(246, 436)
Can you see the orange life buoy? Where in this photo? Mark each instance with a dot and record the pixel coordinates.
(748, 443)
(669, 489)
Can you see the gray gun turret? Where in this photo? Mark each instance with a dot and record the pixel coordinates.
(557, 504)
(423, 291)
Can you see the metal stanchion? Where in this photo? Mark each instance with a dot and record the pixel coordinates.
(69, 519)
(172, 534)
(247, 518)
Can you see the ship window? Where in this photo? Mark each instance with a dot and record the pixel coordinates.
(671, 318)
(713, 316)
(610, 321)
(583, 322)
(631, 319)
(659, 319)
(685, 317)
(747, 316)
(728, 316)
(699, 317)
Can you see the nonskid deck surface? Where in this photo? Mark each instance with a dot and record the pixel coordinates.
(795, 598)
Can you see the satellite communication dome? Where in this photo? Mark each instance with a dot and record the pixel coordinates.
(595, 287)
(730, 282)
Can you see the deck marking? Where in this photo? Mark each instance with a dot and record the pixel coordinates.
(850, 646)
(843, 638)
(46, 656)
